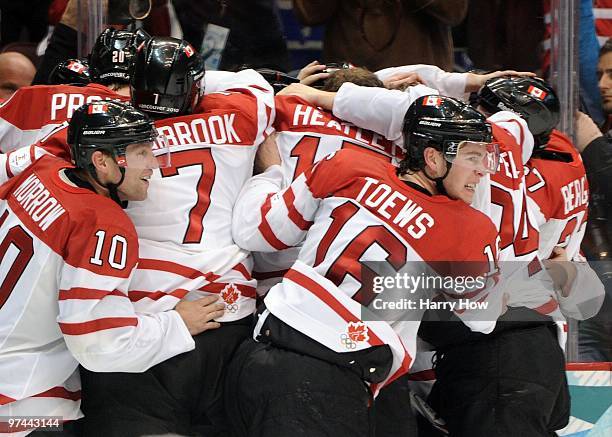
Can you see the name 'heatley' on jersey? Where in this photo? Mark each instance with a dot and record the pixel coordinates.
(36, 200)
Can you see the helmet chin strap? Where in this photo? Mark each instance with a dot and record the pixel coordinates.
(111, 187)
(439, 180)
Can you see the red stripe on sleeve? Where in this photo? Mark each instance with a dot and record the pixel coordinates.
(9, 173)
(266, 230)
(240, 268)
(60, 392)
(294, 214)
(6, 400)
(97, 325)
(548, 307)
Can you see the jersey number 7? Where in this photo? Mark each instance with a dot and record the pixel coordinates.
(200, 158)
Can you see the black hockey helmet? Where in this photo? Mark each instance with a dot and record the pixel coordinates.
(109, 126)
(530, 97)
(112, 57)
(277, 79)
(443, 123)
(70, 71)
(167, 75)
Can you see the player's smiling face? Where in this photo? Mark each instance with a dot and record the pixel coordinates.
(135, 184)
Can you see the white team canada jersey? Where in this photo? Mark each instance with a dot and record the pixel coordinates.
(184, 226)
(348, 210)
(67, 255)
(34, 111)
(305, 135)
(559, 193)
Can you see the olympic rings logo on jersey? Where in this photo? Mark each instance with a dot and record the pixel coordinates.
(347, 342)
(230, 294)
(356, 332)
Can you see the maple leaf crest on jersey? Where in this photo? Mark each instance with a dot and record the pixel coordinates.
(230, 294)
(358, 332)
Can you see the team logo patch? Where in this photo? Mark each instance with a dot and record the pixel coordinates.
(537, 92)
(230, 295)
(432, 101)
(356, 333)
(99, 108)
(76, 66)
(188, 51)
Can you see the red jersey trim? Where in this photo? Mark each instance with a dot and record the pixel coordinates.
(171, 267)
(136, 295)
(294, 214)
(327, 298)
(60, 392)
(87, 294)
(97, 325)
(548, 307)
(266, 230)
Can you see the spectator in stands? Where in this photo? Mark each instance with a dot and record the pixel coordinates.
(385, 33)
(23, 20)
(16, 71)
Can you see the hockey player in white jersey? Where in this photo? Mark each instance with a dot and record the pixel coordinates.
(313, 352)
(518, 233)
(304, 135)
(68, 252)
(186, 245)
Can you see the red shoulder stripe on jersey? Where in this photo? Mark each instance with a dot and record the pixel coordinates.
(266, 230)
(326, 297)
(240, 268)
(60, 392)
(245, 290)
(97, 325)
(87, 293)
(260, 276)
(294, 214)
(177, 269)
(6, 399)
(548, 307)
(136, 295)
(32, 154)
